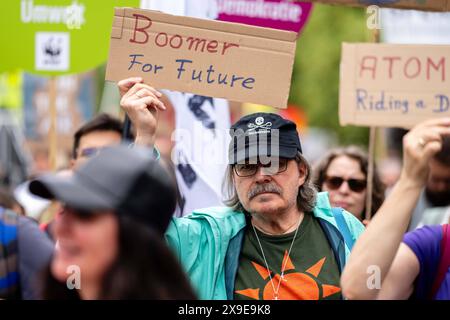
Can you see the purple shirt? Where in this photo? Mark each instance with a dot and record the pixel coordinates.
(426, 244)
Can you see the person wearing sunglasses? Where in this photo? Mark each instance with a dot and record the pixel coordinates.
(276, 237)
(342, 172)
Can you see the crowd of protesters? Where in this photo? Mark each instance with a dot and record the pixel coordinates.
(286, 231)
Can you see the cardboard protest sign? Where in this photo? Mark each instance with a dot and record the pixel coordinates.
(425, 5)
(219, 59)
(393, 85)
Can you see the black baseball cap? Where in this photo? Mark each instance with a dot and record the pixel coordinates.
(263, 134)
(126, 180)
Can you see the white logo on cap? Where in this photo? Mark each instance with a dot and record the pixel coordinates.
(259, 124)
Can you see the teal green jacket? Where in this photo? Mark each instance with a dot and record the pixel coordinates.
(208, 243)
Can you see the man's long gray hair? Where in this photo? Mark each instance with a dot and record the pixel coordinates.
(306, 198)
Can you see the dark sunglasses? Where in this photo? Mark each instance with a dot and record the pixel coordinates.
(356, 185)
(272, 168)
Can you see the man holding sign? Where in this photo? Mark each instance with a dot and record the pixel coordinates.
(278, 238)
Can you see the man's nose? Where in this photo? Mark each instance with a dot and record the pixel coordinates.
(263, 175)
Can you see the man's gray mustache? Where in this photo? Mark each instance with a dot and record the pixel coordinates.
(262, 188)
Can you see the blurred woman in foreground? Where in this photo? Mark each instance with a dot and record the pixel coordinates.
(110, 235)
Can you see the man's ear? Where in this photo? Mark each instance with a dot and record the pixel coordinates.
(303, 173)
(232, 174)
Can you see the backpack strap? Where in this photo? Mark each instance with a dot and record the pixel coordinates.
(444, 262)
(9, 268)
(343, 227)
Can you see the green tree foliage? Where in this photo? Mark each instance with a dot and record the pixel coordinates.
(315, 85)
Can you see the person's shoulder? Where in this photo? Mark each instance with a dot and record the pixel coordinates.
(220, 212)
(31, 237)
(352, 220)
(8, 226)
(424, 241)
(425, 233)
(324, 210)
(8, 216)
(212, 222)
(27, 223)
(355, 226)
(322, 200)
(222, 216)
(322, 207)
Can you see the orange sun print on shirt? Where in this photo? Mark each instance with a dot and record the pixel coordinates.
(294, 286)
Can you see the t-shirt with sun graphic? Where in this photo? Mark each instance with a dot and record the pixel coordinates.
(311, 271)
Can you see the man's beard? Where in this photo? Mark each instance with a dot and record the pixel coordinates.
(438, 199)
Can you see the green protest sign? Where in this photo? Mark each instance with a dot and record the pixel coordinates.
(54, 37)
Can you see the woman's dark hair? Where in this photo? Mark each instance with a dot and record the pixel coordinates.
(360, 156)
(144, 269)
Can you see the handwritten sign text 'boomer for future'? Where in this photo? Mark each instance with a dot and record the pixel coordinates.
(393, 85)
(211, 58)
